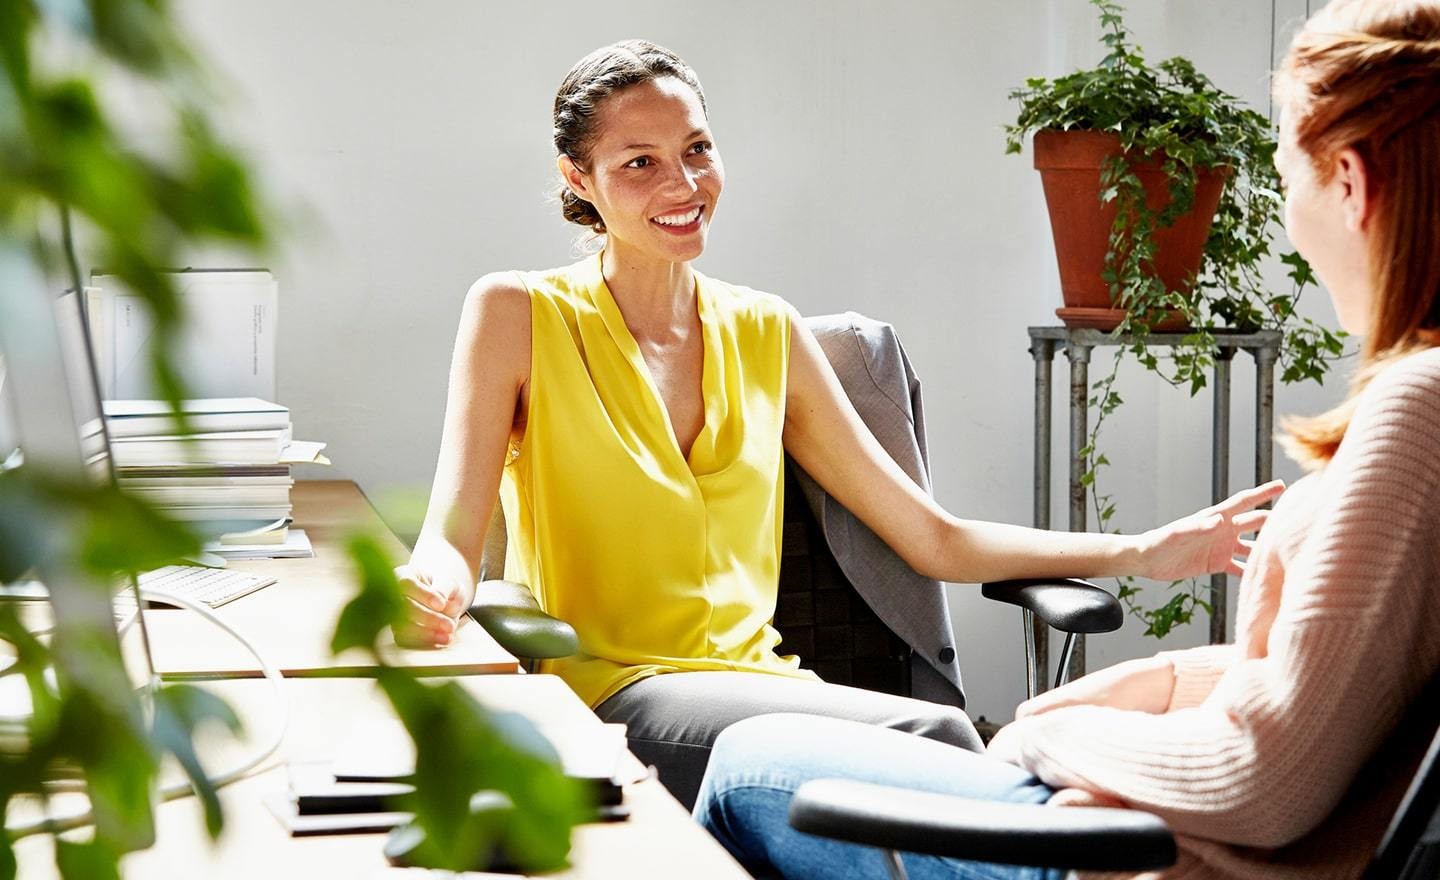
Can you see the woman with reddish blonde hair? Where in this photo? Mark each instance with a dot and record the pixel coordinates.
(1364, 77)
(1284, 754)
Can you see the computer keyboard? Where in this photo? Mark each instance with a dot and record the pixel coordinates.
(209, 586)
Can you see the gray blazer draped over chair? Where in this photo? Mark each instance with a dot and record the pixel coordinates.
(876, 373)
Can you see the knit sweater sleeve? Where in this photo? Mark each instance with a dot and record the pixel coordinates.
(1197, 671)
(1272, 749)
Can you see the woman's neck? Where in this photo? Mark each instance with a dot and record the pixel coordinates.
(656, 297)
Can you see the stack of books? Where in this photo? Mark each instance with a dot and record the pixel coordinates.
(230, 475)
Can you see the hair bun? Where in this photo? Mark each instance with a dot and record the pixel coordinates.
(577, 210)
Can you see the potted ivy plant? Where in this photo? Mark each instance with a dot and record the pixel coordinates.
(1164, 203)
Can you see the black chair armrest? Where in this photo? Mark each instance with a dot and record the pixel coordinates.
(1076, 838)
(1066, 604)
(509, 613)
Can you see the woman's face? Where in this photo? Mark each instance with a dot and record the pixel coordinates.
(1327, 223)
(653, 173)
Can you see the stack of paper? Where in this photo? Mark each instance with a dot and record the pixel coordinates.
(230, 475)
(277, 543)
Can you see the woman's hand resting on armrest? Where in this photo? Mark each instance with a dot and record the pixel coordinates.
(438, 589)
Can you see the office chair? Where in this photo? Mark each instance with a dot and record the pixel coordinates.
(1086, 838)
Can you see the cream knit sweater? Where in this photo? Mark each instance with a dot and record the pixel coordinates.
(1284, 755)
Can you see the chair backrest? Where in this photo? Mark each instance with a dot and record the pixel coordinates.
(822, 619)
(1410, 849)
(492, 558)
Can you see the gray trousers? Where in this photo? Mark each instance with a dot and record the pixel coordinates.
(673, 718)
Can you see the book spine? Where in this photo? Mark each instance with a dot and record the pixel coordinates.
(159, 426)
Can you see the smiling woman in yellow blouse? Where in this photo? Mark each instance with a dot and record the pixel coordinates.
(633, 413)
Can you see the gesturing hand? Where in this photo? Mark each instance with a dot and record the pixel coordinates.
(1208, 540)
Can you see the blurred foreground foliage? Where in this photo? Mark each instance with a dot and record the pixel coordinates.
(136, 193)
(529, 806)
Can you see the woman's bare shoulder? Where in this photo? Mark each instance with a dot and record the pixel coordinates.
(499, 296)
(497, 306)
(495, 324)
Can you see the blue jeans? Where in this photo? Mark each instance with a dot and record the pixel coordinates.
(758, 763)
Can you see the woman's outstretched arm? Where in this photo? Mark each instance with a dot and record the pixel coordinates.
(826, 437)
(488, 373)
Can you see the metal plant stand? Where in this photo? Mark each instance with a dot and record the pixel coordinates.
(1078, 343)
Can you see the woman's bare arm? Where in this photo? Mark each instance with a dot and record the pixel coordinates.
(826, 437)
(488, 373)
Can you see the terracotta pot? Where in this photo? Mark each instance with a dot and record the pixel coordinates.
(1069, 163)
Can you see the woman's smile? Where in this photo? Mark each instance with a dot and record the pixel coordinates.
(681, 222)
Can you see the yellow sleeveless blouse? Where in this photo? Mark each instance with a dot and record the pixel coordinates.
(661, 564)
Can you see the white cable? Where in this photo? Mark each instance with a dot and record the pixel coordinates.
(55, 825)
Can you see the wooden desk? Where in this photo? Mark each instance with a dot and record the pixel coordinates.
(291, 621)
(658, 841)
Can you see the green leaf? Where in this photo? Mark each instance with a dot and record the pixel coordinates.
(122, 532)
(91, 860)
(379, 604)
(468, 750)
(133, 32)
(180, 710)
(110, 531)
(1300, 271)
(16, 20)
(8, 866)
(101, 729)
(27, 526)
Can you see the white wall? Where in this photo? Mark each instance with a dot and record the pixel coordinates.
(865, 170)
